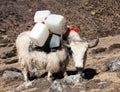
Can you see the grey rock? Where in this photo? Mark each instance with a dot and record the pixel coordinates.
(93, 12)
(10, 45)
(5, 40)
(8, 54)
(81, 88)
(104, 83)
(2, 30)
(115, 65)
(3, 45)
(23, 86)
(3, 55)
(11, 61)
(56, 87)
(12, 73)
(72, 79)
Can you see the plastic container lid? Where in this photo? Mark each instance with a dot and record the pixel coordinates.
(40, 16)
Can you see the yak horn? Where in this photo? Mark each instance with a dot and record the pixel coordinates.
(96, 42)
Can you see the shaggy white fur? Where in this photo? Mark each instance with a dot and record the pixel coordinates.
(35, 60)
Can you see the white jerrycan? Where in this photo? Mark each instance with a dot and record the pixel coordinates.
(40, 16)
(39, 34)
(56, 24)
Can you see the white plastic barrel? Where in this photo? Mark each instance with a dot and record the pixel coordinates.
(56, 23)
(41, 15)
(39, 34)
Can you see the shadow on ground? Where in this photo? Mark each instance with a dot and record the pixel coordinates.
(89, 73)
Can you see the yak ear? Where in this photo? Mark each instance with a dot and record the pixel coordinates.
(65, 43)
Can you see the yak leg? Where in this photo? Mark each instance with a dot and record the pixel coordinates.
(65, 72)
(25, 73)
(50, 77)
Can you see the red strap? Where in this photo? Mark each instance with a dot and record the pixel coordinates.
(73, 29)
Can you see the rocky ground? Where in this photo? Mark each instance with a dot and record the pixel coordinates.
(103, 62)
